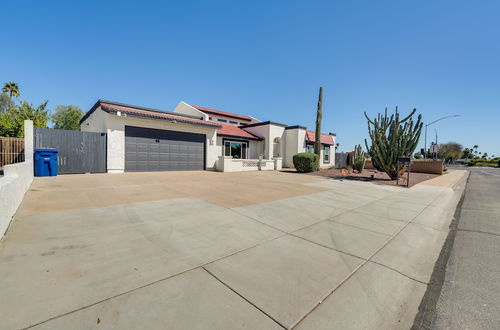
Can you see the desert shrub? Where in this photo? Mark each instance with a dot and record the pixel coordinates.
(306, 162)
(483, 162)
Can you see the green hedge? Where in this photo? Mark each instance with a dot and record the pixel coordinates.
(484, 162)
(306, 162)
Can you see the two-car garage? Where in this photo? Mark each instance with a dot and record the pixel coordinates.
(146, 140)
(148, 149)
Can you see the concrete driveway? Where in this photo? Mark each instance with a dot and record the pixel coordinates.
(206, 250)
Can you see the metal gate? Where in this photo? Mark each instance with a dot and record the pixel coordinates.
(79, 152)
(342, 159)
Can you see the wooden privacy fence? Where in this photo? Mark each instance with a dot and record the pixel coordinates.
(11, 150)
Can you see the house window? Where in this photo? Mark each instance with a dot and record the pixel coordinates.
(233, 122)
(237, 149)
(309, 148)
(326, 154)
(222, 120)
(210, 118)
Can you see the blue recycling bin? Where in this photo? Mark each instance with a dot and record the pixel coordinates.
(46, 162)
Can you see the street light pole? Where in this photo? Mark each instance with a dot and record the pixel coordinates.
(425, 139)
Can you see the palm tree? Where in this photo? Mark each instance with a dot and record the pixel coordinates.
(475, 149)
(12, 89)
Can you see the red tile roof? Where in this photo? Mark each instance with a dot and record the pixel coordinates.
(325, 138)
(233, 130)
(158, 115)
(222, 113)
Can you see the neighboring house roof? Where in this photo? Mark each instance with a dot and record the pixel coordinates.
(135, 111)
(231, 130)
(325, 138)
(222, 113)
(264, 123)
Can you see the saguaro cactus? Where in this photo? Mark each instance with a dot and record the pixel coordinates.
(319, 116)
(392, 138)
(359, 156)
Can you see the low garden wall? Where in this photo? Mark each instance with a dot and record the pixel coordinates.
(16, 180)
(228, 164)
(13, 185)
(427, 166)
(418, 166)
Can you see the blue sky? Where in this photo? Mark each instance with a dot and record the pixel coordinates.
(267, 59)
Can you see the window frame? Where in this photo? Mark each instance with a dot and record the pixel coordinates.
(326, 157)
(246, 142)
(222, 120)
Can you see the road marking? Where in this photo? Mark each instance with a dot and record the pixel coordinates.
(489, 173)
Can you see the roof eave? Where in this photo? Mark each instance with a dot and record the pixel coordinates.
(240, 137)
(171, 120)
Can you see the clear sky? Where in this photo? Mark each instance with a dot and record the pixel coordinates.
(267, 59)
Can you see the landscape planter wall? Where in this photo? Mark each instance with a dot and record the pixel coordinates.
(16, 180)
(369, 165)
(430, 167)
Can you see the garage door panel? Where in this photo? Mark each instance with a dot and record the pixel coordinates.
(161, 150)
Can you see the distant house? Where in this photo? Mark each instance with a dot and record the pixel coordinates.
(197, 138)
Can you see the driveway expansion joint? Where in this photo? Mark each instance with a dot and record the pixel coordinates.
(295, 324)
(243, 297)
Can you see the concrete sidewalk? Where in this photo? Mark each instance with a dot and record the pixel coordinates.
(216, 251)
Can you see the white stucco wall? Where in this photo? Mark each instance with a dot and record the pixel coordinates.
(187, 109)
(261, 131)
(294, 143)
(16, 180)
(331, 162)
(276, 131)
(96, 122)
(114, 126)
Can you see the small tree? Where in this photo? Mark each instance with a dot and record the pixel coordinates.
(5, 102)
(467, 153)
(67, 117)
(392, 139)
(319, 116)
(12, 121)
(450, 151)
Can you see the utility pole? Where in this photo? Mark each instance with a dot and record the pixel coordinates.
(435, 121)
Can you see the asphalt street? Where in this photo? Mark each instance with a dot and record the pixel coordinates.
(470, 294)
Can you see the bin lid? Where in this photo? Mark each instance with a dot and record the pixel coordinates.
(46, 150)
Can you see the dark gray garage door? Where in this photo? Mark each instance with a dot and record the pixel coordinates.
(149, 149)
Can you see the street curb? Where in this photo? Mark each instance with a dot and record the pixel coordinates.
(427, 309)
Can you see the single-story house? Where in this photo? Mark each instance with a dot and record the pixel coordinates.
(197, 138)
